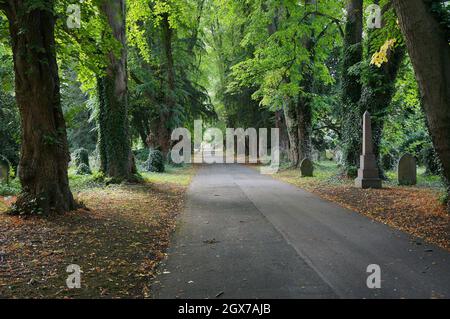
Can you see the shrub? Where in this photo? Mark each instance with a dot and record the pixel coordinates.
(155, 162)
(5, 168)
(430, 159)
(387, 162)
(352, 172)
(11, 189)
(83, 169)
(81, 161)
(142, 154)
(444, 198)
(81, 156)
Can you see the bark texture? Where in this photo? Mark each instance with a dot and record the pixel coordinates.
(114, 139)
(351, 85)
(379, 88)
(429, 50)
(44, 150)
(166, 113)
(290, 116)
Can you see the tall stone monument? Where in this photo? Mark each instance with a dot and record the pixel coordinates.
(368, 176)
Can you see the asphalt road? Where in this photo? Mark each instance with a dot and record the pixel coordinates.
(246, 235)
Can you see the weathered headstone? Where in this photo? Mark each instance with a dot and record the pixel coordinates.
(407, 170)
(306, 168)
(315, 155)
(338, 156)
(329, 155)
(368, 176)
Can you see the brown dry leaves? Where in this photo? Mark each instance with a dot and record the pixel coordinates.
(117, 243)
(414, 210)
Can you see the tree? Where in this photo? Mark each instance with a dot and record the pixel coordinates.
(44, 151)
(290, 43)
(425, 26)
(378, 81)
(165, 50)
(351, 84)
(114, 140)
(170, 102)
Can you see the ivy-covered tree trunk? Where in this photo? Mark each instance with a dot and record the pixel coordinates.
(304, 100)
(377, 95)
(114, 140)
(379, 88)
(101, 126)
(351, 85)
(304, 123)
(166, 113)
(44, 151)
(428, 46)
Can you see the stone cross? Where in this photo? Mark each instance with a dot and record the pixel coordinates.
(368, 176)
(407, 170)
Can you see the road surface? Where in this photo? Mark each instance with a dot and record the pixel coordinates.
(246, 235)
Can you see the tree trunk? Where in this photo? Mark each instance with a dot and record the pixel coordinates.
(304, 101)
(377, 96)
(304, 124)
(290, 116)
(44, 151)
(101, 126)
(280, 123)
(379, 88)
(351, 86)
(427, 43)
(166, 113)
(114, 130)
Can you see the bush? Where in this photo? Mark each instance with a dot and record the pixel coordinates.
(81, 161)
(141, 155)
(99, 177)
(352, 172)
(83, 169)
(444, 198)
(387, 162)
(430, 159)
(5, 168)
(13, 188)
(10, 134)
(155, 162)
(81, 156)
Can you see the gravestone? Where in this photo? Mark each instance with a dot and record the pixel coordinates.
(315, 155)
(368, 176)
(4, 171)
(329, 155)
(306, 168)
(338, 156)
(407, 170)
